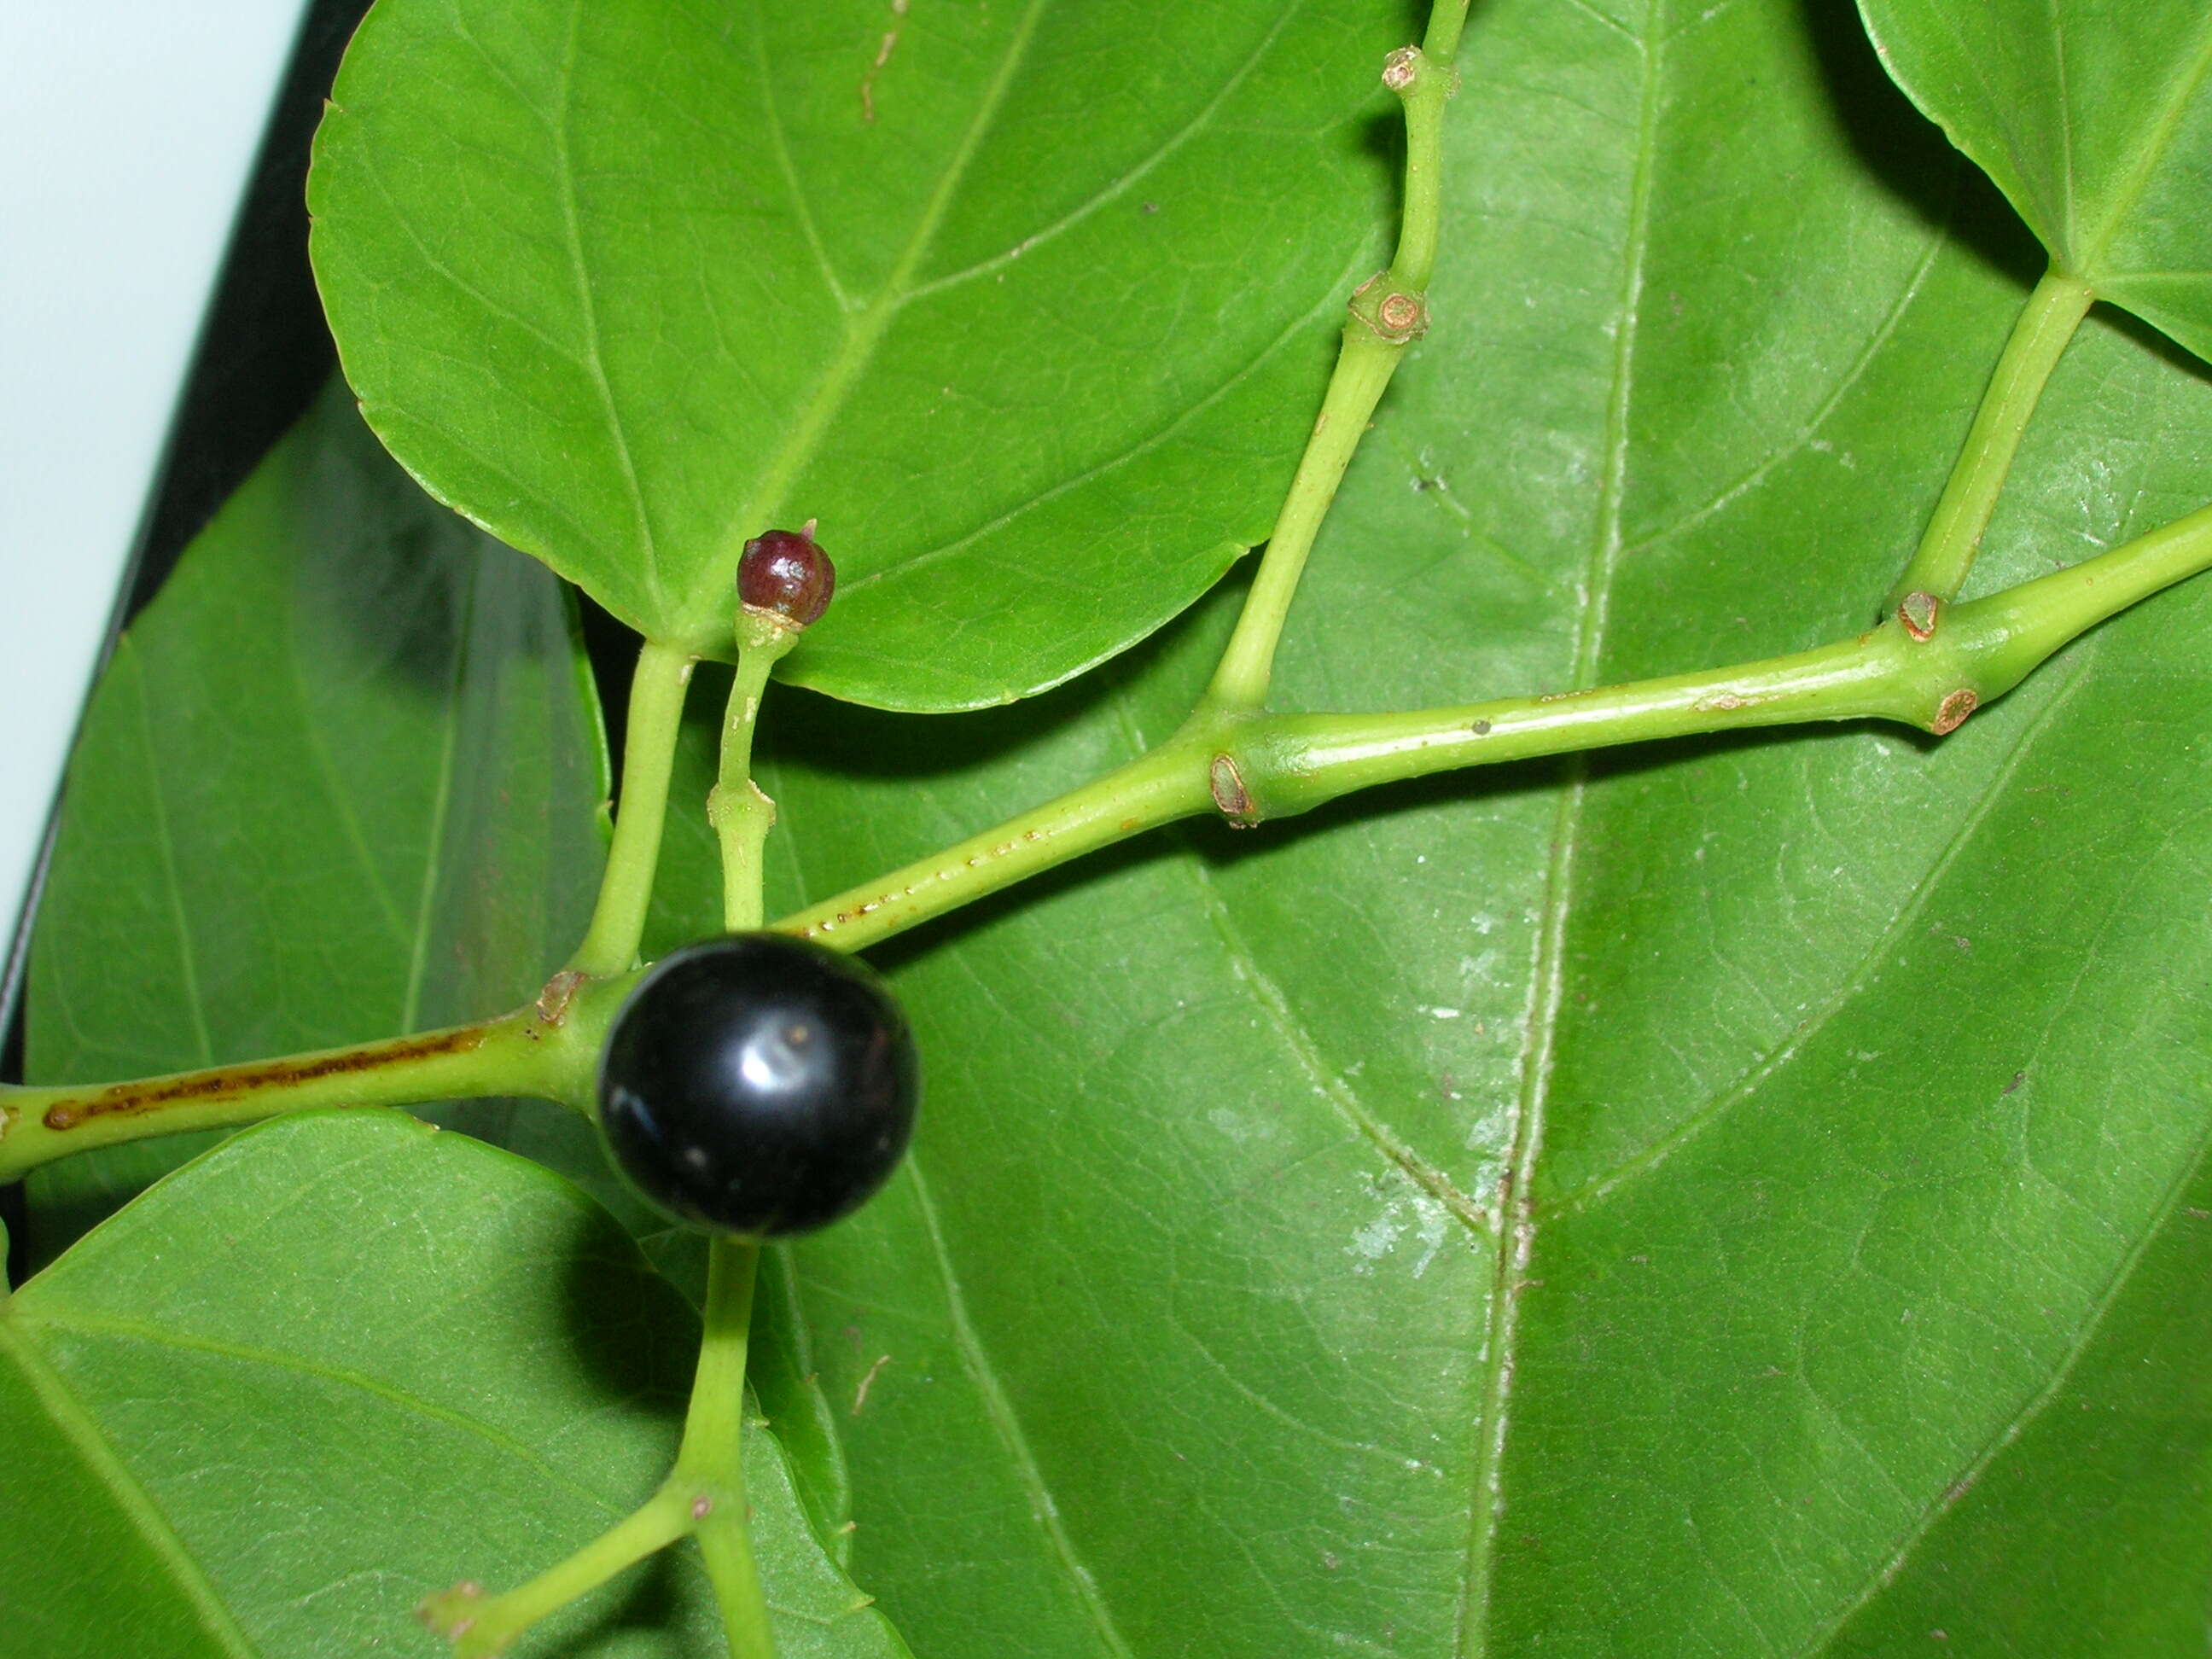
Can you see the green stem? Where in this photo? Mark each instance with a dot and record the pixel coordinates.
(1364, 364)
(1388, 314)
(1247, 768)
(1253, 767)
(2038, 339)
(656, 713)
(711, 1463)
(704, 1493)
(545, 1050)
(482, 1627)
(741, 814)
(1423, 79)
(2006, 636)
(1169, 783)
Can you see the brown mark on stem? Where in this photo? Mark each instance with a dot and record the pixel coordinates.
(560, 991)
(1951, 714)
(1402, 315)
(1480, 728)
(233, 1082)
(1400, 67)
(1227, 784)
(1918, 613)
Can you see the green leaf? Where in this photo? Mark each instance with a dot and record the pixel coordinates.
(340, 1362)
(2095, 119)
(1027, 305)
(341, 780)
(1675, 1203)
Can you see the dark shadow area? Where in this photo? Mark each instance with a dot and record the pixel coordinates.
(1909, 152)
(630, 1329)
(645, 1599)
(612, 646)
(264, 351)
(2158, 344)
(262, 355)
(870, 743)
(14, 1215)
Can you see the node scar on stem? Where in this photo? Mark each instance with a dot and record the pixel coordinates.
(552, 1005)
(1226, 784)
(1951, 714)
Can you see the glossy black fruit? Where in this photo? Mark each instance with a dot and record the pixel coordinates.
(783, 571)
(758, 1085)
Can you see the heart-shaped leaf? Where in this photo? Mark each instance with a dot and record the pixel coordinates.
(1025, 304)
(1694, 1201)
(2095, 119)
(340, 781)
(340, 1362)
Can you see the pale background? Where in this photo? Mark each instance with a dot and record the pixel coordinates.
(127, 131)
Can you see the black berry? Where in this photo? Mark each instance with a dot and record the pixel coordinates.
(758, 1085)
(784, 571)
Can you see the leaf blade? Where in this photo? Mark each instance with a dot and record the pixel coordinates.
(304, 1286)
(343, 777)
(920, 314)
(2052, 101)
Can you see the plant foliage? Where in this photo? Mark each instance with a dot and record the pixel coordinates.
(1751, 1194)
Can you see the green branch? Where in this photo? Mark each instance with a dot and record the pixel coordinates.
(1388, 314)
(1245, 767)
(656, 712)
(1947, 552)
(1253, 767)
(704, 1494)
(547, 1051)
(741, 814)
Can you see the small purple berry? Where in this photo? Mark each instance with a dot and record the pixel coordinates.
(784, 572)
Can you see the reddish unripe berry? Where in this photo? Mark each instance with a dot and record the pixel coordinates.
(784, 571)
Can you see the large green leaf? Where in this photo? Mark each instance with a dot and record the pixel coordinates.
(340, 781)
(1022, 302)
(342, 1361)
(2095, 117)
(1680, 1204)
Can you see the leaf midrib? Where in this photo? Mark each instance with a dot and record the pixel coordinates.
(866, 329)
(1515, 1225)
(2157, 138)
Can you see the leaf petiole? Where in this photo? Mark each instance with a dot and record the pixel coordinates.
(2046, 324)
